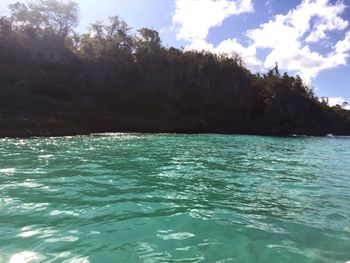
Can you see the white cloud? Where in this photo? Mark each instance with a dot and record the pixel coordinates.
(309, 22)
(201, 45)
(230, 47)
(289, 37)
(294, 58)
(328, 19)
(299, 21)
(194, 18)
(338, 101)
(343, 46)
(247, 53)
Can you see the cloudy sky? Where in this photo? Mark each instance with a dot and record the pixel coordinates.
(307, 37)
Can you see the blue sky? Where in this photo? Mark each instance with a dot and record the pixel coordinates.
(309, 37)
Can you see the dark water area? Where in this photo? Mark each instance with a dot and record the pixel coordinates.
(175, 198)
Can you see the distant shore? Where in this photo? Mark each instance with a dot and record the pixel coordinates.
(56, 82)
(25, 128)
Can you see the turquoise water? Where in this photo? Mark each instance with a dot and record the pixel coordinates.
(175, 198)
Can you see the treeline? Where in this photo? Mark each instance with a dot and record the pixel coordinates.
(111, 79)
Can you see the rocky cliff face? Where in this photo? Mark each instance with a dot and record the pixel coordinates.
(46, 91)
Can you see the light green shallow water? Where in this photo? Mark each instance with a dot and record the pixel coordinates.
(175, 198)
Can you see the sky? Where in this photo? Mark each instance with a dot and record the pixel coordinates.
(306, 37)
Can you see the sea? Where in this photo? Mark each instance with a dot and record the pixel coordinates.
(175, 198)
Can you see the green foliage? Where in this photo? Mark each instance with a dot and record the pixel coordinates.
(5, 26)
(106, 41)
(148, 40)
(43, 17)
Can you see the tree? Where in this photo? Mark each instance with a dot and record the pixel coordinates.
(109, 41)
(43, 16)
(324, 101)
(5, 31)
(276, 70)
(148, 40)
(117, 34)
(5, 26)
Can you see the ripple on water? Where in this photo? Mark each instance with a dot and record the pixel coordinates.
(7, 171)
(175, 198)
(176, 236)
(24, 257)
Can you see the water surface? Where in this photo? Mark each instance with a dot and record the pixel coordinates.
(175, 198)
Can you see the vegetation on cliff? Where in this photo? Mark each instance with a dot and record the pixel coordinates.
(55, 81)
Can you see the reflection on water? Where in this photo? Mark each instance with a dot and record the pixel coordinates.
(168, 198)
(25, 256)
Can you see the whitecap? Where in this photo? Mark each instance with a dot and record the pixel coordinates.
(144, 248)
(118, 135)
(183, 248)
(177, 236)
(30, 184)
(29, 233)
(47, 156)
(24, 257)
(79, 260)
(62, 239)
(95, 232)
(8, 171)
(33, 206)
(6, 201)
(58, 212)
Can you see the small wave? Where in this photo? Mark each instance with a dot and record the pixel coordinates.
(8, 171)
(29, 233)
(177, 236)
(62, 239)
(47, 156)
(57, 212)
(175, 198)
(183, 248)
(30, 184)
(121, 136)
(80, 260)
(24, 257)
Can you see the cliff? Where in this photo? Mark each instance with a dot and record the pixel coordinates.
(126, 83)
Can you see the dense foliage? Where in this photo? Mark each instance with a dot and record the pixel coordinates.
(119, 80)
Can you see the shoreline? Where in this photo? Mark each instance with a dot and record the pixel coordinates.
(45, 128)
